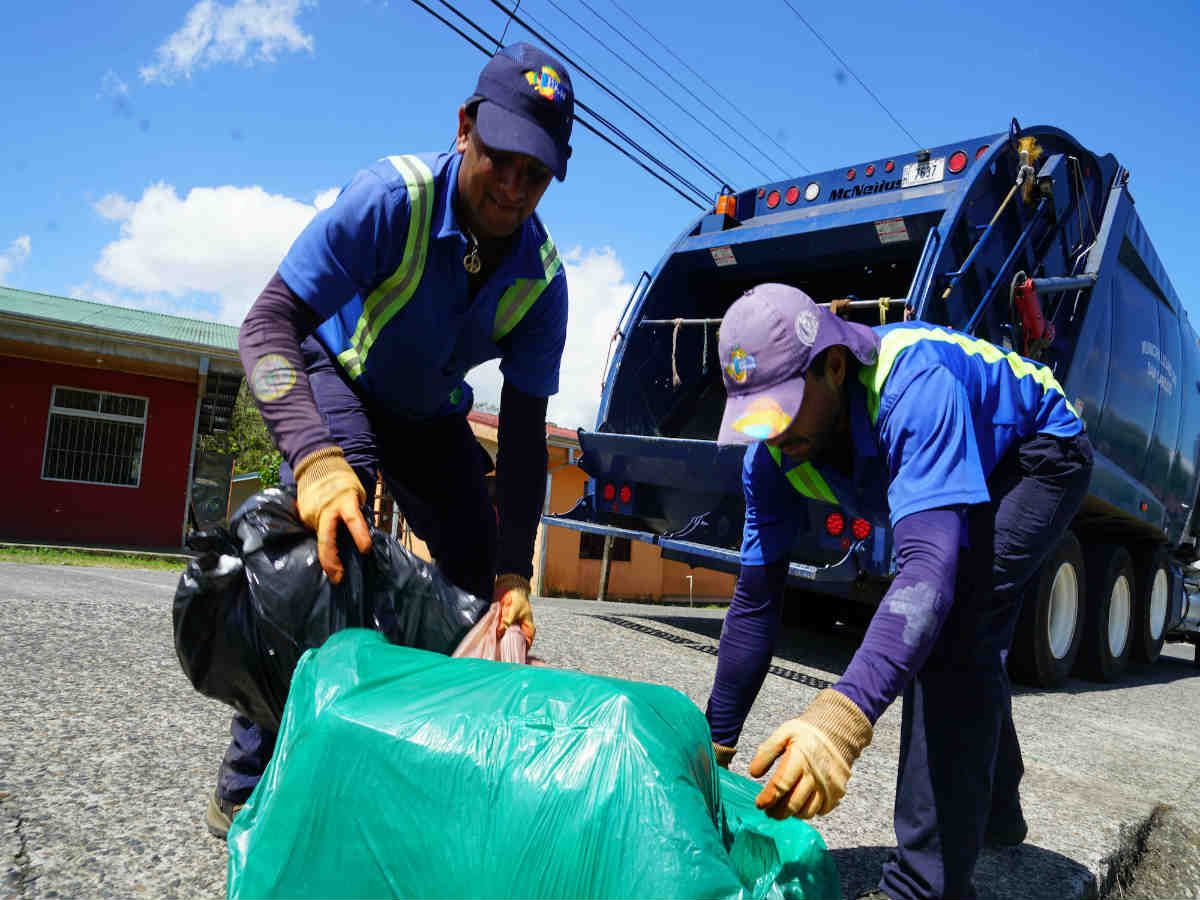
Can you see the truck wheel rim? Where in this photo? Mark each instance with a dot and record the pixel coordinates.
(1158, 604)
(1064, 610)
(1118, 616)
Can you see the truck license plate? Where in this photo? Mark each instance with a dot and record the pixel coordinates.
(923, 172)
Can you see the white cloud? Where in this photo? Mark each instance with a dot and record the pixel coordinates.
(112, 87)
(114, 207)
(598, 292)
(249, 31)
(18, 251)
(225, 242)
(325, 198)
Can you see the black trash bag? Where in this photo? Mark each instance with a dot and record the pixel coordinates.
(255, 599)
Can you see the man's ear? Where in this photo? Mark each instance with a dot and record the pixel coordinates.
(835, 366)
(464, 130)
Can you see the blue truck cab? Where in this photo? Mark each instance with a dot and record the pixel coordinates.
(1024, 238)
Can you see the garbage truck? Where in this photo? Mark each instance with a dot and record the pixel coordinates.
(1024, 238)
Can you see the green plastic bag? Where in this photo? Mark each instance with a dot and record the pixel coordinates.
(404, 773)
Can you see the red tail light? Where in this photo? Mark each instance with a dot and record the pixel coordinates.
(860, 528)
(835, 523)
(957, 162)
(626, 493)
(610, 491)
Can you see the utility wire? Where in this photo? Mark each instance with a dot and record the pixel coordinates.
(706, 83)
(715, 132)
(532, 18)
(507, 22)
(846, 66)
(567, 59)
(608, 124)
(470, 40)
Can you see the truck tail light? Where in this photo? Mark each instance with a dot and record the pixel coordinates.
(860, 528)
(626, 493)
(835, 523)
(727, 205)
(957, 161)
(609, 491)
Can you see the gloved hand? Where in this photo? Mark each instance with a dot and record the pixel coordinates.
(818, 749)
(328, 492)
(512, 593)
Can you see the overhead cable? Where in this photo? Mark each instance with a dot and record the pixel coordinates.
(706, 83)
(532, 18)
(470, 40)
(619, 99)
(699, 192)
(846, 66)
(715, 132)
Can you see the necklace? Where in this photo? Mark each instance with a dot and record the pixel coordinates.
(471, 261)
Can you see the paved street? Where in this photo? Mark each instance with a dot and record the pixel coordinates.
(107, 755)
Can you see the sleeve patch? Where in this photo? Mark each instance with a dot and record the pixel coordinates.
(273, 376)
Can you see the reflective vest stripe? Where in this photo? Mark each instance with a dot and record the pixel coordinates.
(524, 292)
(392, 294)
(894, 342)
(805, 479)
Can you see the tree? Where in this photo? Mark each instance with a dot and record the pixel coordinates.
(247, 440)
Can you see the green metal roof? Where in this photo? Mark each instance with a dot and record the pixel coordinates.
(138, 322)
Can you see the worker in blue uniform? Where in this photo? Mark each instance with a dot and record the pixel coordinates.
(356, 352)
(980, 463)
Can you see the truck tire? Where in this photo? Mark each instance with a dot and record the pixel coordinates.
(1108, 628)
(1046, 642)
(1152, 572)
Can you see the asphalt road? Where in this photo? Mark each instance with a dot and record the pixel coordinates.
(107, 755)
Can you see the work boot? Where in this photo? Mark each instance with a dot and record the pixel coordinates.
(219, 815)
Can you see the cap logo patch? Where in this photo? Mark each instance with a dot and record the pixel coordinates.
(763, 419)
(806, 326)
(546, 83)
(741, 364)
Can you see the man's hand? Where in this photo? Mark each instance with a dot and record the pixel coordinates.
(328, 492)
(512, 593)
(818, 750)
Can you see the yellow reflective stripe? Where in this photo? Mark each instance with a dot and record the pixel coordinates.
(524, 292)
(350, 362)
(805, 479)
(895, 342)
(391, 295)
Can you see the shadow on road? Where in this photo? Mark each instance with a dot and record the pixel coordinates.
(1026, 871)
(831, 649)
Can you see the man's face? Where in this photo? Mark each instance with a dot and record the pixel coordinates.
(813, 426)
(499, 190)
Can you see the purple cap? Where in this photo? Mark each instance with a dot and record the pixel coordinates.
(768, 338)
(526, 105)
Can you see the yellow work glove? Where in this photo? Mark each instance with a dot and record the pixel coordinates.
(328, 492)
(512, 593)
(818, 750)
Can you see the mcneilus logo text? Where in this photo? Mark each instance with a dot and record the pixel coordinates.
(861, 190)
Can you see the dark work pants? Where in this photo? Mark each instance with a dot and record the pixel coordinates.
(960, 762)
(435, 471)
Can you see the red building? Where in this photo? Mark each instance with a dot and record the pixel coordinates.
(102, 409)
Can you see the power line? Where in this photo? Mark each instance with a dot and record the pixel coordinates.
(706, 83)
(692, 149)
(567, 59)
(507, 22)
(470, 40)
(608, 124)
(715, 132)
(846, 66)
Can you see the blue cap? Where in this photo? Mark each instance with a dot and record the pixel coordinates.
(526, 105)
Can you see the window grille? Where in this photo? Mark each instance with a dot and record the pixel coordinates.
(94, 437)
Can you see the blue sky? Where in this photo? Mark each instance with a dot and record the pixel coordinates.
(164, 155)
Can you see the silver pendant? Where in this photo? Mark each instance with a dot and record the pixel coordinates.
(471, 261)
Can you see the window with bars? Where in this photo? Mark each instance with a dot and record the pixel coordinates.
(94, 437)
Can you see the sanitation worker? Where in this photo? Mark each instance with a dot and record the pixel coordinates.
(980, 463)
(356, 350)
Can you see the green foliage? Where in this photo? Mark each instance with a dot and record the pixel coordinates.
(247, 440)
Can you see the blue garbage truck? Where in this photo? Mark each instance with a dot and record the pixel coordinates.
(1024, 238)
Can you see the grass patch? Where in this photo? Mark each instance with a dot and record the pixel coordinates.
(61, 557)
